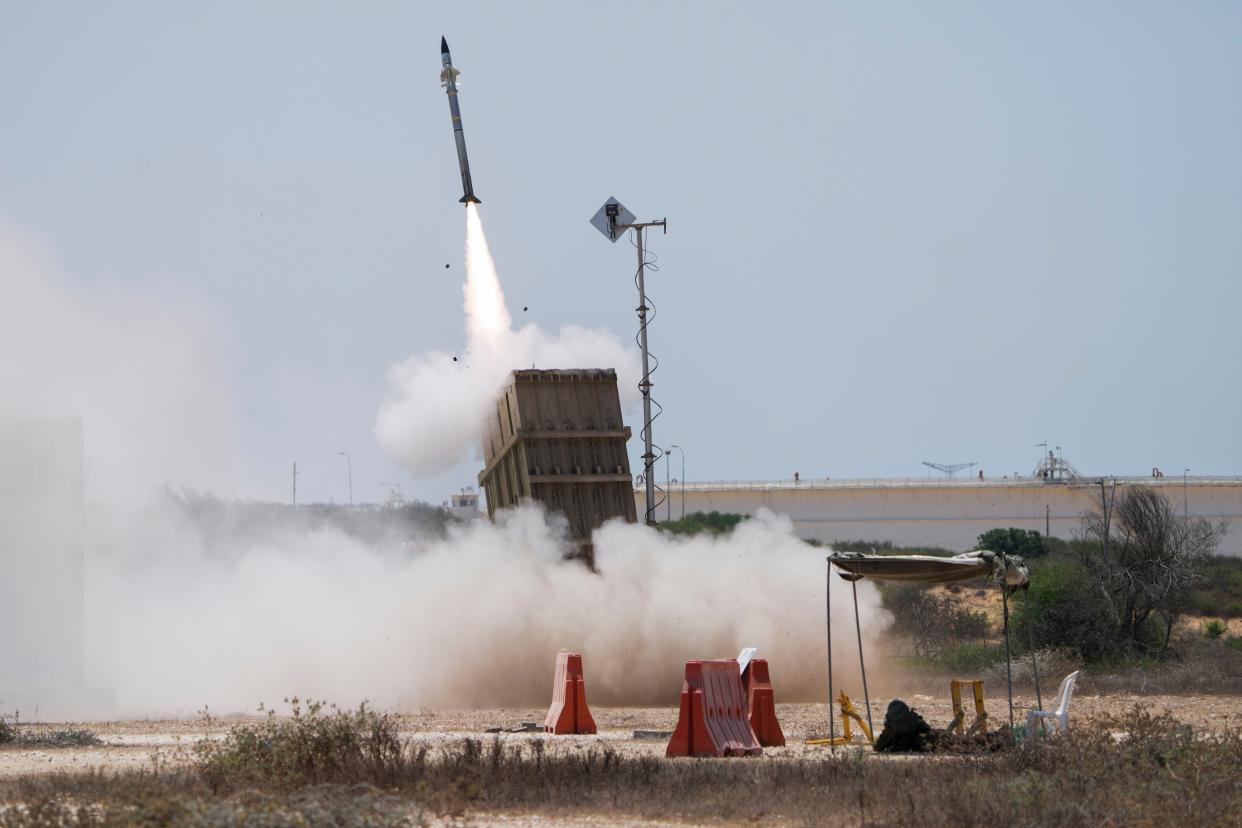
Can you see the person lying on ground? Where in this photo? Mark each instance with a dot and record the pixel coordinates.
(904, 730)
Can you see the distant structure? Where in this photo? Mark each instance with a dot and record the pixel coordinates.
(465, 504)
(951, 513)
(1054, 468)
(949, 469)
(557, 437)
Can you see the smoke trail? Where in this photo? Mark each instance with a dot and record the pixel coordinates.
(430, 419)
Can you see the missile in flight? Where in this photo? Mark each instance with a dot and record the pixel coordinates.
(448, 79)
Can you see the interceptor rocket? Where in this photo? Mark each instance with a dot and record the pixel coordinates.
(448, 79)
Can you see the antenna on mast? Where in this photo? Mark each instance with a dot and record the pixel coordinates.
(949, 469)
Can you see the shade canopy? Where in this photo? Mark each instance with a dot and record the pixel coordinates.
(1007, 571)
(928, 569)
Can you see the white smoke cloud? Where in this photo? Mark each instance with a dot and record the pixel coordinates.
(183, 610)
(471, 620)
(138, 372)
(431, 418)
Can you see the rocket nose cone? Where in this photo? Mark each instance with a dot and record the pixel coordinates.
(443, 46)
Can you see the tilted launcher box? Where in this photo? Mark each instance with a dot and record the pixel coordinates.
(557, 437)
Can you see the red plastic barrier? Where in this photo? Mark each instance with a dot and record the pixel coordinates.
(712, 721)
(761, 704)
(569, 713)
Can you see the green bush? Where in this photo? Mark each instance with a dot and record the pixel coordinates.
(967, 660)
(715, 523)
(971, 659)
(1024, 542)
(1059, 610)
(1214, 628)
(1219, 591)
(1234, 642)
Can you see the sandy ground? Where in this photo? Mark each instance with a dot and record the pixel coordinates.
(139, 743)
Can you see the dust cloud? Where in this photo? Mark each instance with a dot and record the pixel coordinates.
(473, 619)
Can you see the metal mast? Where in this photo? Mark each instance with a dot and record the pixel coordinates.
(610, 219)
(644, 385)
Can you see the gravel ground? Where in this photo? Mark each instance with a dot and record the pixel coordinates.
(139, 743)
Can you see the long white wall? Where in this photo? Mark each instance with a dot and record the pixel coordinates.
(942, 512)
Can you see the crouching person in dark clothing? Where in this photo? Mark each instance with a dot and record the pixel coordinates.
(904, 730)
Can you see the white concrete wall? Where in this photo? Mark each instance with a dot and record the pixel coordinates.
(942, 512)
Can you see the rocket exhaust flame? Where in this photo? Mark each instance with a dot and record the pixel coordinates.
(487, 317)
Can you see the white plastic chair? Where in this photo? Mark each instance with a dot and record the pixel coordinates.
(1061, 714)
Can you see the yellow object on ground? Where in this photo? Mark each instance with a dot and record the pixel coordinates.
(980, 723)
(848, 711)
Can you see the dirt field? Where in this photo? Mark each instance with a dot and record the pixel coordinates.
(139, 743)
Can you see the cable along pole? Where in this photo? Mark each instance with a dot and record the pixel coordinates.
(612, 219)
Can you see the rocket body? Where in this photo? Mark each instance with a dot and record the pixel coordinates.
(448, 79)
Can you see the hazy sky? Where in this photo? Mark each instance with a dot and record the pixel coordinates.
(896, 232)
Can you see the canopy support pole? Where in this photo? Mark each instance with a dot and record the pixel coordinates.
(1030, 634)
(832, 720)
(862, 666)
(1008, 662)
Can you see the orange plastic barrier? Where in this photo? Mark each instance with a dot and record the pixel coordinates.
(569, 713)
(761, 704)
(712, 720)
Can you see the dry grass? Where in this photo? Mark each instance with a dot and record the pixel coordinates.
(16, 734)
(1197, 665)
(330, 767)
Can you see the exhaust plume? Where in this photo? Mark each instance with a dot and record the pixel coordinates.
(431, 417)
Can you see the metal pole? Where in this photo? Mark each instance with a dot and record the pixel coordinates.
(295, 485)
(1185, 496)
(683, 478)
(1030, 634)
(832, 721)
(349, 474)
(668, 498)
(1047, 520)
(1008, 662)
(862, 664)
(645, 384)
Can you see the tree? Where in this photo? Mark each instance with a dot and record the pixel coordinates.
(1024, 542)
(714, 523)
(1143, 557)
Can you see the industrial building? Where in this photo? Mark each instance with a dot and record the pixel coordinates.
(557, 437)
(946, 512)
